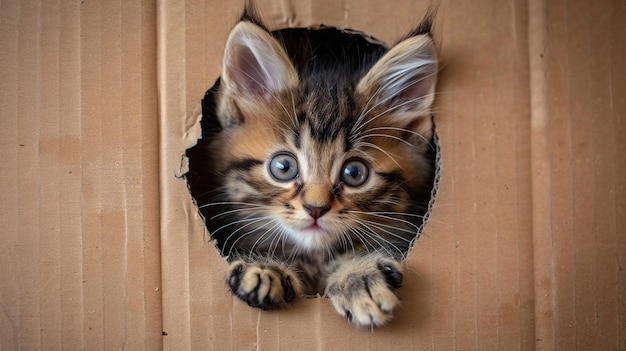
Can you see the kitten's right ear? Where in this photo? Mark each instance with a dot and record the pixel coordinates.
(255, 65)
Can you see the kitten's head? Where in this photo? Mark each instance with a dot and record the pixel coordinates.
(321, 153)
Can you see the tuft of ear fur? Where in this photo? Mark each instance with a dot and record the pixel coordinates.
(402, 82)
(255, 65)
(251, 14)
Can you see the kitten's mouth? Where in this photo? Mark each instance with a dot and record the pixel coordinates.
(311, 228)
(314, 226)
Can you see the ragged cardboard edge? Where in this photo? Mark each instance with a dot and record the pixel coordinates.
(433, 192)
(191, 134)
(368, 37)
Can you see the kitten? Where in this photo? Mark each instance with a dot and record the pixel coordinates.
(316, 163)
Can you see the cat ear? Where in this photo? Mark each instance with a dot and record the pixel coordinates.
(403, 80)
(255, 65)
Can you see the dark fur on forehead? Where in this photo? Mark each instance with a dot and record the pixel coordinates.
(332, 54)
(327, 109)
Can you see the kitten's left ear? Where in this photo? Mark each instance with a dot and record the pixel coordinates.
(403, 80)
(255, 65)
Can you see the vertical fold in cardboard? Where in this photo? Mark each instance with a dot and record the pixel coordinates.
(195, 306)
(174, 253)
(542, 244)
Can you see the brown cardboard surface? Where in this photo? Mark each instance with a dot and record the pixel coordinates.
(577, 140)
(102, 247)
(80, 202)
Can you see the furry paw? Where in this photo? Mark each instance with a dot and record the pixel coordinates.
(362, 290)
(262, 285)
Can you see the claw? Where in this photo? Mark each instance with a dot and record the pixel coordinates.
(392, 275)
(290, 292)
(233, 280)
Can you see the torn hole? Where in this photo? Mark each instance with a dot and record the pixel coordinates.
(250, 214)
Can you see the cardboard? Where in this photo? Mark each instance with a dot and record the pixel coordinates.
(102, 248)
(80, 232)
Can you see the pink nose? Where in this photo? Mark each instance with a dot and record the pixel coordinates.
(316, 211)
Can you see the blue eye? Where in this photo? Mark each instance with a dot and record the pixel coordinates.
(283, 167)
(355, 173)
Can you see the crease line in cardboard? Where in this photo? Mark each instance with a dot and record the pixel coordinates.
(26, 244)
(171, 96)
(540, 181)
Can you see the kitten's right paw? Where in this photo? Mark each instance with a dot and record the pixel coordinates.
(362, 290)
(262, 285)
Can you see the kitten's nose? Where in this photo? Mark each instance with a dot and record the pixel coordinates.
(316, 211)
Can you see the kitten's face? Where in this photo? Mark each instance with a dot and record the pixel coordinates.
(315, 164)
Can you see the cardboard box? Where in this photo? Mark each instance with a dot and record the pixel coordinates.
(102, 247)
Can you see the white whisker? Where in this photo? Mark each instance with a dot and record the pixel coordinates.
(385, 136)
(404, 130)
(224, 203)
(250, 221)
(389, 215)
(374, 146)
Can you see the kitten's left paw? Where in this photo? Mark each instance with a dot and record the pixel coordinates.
(362, 290)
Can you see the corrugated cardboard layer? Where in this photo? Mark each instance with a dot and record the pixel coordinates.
(80, 234)
(525, 248)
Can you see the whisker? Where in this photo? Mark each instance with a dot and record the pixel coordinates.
(382, 225)
(223, 203)
(389, 215)
(371, 135)
(234, 245)
(389, 110)
(381, 242)
(347, 241)
(357, 125)
(239, 221)
(360, 234)
(383, 230)
(374, 146)
(423, 217)
(233, 211)
(295, 113)
(264, 237)
(250, 221)
(404, 130)
(276, 239)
